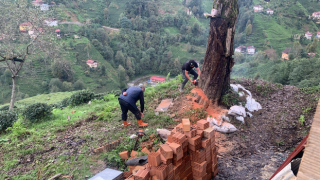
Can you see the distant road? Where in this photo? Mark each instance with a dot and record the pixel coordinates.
(75, 23)
(110, 29)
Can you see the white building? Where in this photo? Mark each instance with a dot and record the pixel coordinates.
(44, 7)
(51, 22)
(318, 35)
(258, 8)
(269, 11)
(308, 35)
(251, 50)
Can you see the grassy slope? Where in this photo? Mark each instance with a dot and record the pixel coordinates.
(58, 132)
(181, 52)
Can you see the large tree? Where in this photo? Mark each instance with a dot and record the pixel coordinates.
(23, 34)
(218, 61)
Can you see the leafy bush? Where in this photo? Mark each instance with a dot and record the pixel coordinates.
(81, 97)
(7, 118)
(18, 130)
(64, 103)
(37, 111)
(6, 108)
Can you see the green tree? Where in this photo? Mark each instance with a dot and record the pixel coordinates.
(67, 86)
(195, 28)
(62, 69)
(103, 70)
(129, 67)
(120, 59)
(313, 46)
(122, 77)
(297, 49)
(78, 85)
(238, 57)
(249, 29)
(88, 49)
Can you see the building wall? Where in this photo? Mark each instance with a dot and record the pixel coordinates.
(285, 56)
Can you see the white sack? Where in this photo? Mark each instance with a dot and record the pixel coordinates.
(252, 104)
(163, 133)
(237, 111)
(225, 128)
(213, 121)
(240, 118)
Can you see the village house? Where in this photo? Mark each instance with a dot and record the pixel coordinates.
(189, 13)
(25, 27)
(308, 35)
(316, 15)
(257, 8)
(241, 49)
(251, 50)
(318, 35)
(44, 7)
(269, 11)
(37, 2)
(285, 54)
(92, 63)
(51, 22)
(58, 33)
(33, 33)
(157, 79)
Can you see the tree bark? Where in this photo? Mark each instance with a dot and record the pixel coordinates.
(218, 61)
(13, 94)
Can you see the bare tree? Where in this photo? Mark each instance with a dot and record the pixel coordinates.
(23, 34)
(218, 61)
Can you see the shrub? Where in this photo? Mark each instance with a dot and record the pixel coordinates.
(64, 103)
(37, 111)
(81, 97)
(7, 118)
(6, 108)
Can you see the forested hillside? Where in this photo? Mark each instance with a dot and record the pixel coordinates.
(272, 34)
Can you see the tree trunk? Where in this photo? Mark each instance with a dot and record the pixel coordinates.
(218, 61)
(13, 94)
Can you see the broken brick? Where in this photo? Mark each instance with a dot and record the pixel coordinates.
(133, 154)
(202, 124)
(145, 150)
(200, 133)
(124, 155)
(186, 124)
(166, 151)
(154, 159)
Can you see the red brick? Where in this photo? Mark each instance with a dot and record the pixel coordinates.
(161, 172)
(190, 176)
(194, 141)
(209, 176)
(126, 174)
(216, 171)
(200, 133)
(197, 173)
(170, 139)
(214, 167)
(208, 133)
(145, 150)
(133, 154)
(190, 134)
(186, 124)
(124, 155)
(214, 160)
(154, 159)
(176, 148)
(178, 138)
(202, 124)
(179, 128)
(205, 142)
(185, 143)
(142, 175)
(166, 151)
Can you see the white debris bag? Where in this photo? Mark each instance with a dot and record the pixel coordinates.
(252, 105)
(225, 128)
(249, 114)
(240, 118)
(225, 118)
(214, 122)
(237, 111)
(163, 133)
(133, 136)
(234, 87)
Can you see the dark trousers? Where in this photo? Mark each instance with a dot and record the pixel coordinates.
(125, 106)
(193, 72)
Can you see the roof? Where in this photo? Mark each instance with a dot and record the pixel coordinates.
(259, 6)
(158, 78)
(318, 33)
(58, 30)
(44, 5)
(51, 19)
(250, 47)
(316, 13)
(286, 51)
(308, 33)
(37, 1)
(269, 9)
(91, 61)
(25, 24)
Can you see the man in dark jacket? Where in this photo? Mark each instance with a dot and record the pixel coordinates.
(128, 100)
(187, 68)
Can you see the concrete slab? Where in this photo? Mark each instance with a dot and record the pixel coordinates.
(164, 105)
(108, 174)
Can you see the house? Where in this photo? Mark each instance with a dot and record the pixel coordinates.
(92, 63)
(37, 2)
(318, 35)
(269, 11)
(33, 33)
(316, 15)
(44, 7)
(308, 35)
(257, 8)
(251, 50)
(51, 22)
(285, 54)
(157, 79)
(311, 54)
(189, 13)
(25, 27)
(58, 33)
(241, 49)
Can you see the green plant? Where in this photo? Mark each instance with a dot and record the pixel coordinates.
(37, 111)
(18, 130)
(81, 97)
(230, 99)
(7, 118)
(279, 142)
(301, 120)
(306, 111)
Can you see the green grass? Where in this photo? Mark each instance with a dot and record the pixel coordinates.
(180, 51)
(34, 140)
(172, 30)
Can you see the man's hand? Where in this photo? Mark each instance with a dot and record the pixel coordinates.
(194, 81)
(124, 93)
(141, 114)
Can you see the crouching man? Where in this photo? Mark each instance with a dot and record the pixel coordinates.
(128, 100)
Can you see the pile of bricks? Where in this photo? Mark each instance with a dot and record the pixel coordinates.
(189, 153)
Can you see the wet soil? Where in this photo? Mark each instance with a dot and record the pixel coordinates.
(263, 143)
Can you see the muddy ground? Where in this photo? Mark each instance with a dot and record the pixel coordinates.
(263, 143)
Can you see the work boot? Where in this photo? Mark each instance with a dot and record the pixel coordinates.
(141, 124)
(125, 124)
(181, 88)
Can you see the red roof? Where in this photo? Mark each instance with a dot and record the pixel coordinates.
(269, 9)
(318, 33)
(91, 61)
(58, 30)
(250, 47)
(316, 13)
(25, 24)
(308, 33)
(259, 6)
(157, 78)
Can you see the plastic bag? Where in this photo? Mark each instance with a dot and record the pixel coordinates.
(225, 128)
(240, 118)
(237, 111)
(213, 121)
(252, 104)
(163, 133)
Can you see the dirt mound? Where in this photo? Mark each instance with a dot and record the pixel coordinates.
(264, 141)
